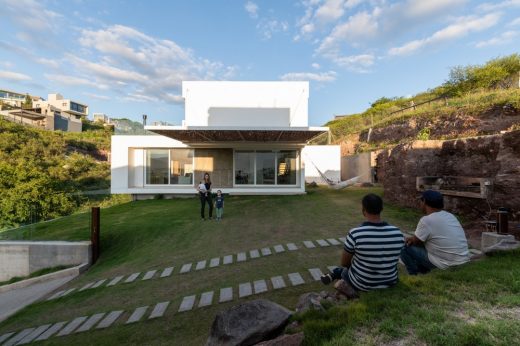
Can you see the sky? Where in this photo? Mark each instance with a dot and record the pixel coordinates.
(128, 58)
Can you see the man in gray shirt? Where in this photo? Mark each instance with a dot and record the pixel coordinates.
(439, 240)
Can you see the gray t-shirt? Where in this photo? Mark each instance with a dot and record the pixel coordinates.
(444, 239)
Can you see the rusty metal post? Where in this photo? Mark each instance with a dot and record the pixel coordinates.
(94, 233)
(502, 221)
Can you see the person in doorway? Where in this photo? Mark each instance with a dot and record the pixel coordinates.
(219, 204)
(370, 253)
(439, 240)
(205, 196)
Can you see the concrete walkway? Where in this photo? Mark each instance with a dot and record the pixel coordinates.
(12, 301)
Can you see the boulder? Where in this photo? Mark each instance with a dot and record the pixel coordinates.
(503, 245)
(284, 340)
(309, 301)
(248, 323)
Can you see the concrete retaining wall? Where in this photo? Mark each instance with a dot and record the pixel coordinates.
(21, 258)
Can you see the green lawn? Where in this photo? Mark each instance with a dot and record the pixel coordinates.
(441, 308)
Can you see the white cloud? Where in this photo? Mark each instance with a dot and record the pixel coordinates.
(252, 9)
(48, 62)
(73, 81)
(268, 27)
(330, 11)
(357, 63)
(329, 76)
(493, 6)
(316, 66)
(420, 8)
(504, 38)
(97, 96)
(14, 76)
(515, 22)
(462, 27)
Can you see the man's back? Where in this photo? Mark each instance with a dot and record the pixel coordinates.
(376, 248)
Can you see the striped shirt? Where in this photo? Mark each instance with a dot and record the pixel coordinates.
(376, 248)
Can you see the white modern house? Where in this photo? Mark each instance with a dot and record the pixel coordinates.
(67, 113)
(248, 136)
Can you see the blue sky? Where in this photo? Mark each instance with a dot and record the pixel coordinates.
(128, 58)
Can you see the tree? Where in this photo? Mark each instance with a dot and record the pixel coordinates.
(27, 103)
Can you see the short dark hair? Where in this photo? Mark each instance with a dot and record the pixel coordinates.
(433, 199)
(373, 204)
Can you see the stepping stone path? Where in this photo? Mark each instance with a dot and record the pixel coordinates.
(266, 251)
(277, 282)
(322, 242)
(115, 281)
(254, 254)
(137, 314)
(187, 303)
(186, 268)
(56, 295)
(201, 265)
(99, 283)
(215, 262)
(67, 292)
(315, 273)
(132, 277)
(6, 336)
(167, 272)
(241, 257)
(279, 248)
(18, 337)
(292, 247)
(29, 338)
(309, 244)
(69, 328)
(260, 286)
(90, 322)
(87, 286)
(226, 294)
(159, 310)
(333, 241)
(296, 279)
(206, 299)
(228, 259)
(149, 275)
(342, 240)
(331, 268)
(109, 319)
(51, 331)
(245, 290)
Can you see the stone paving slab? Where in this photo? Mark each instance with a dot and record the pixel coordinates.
(228, 259)
(331, 268)
(51, 331)
(201, 265)
(67, 292)
(215, 262)
(149, 274)
(245, 290)
(279, 248)
(292, 247)
(115, 280)
(87, 286)
(92, 320)
(278, 282)
(226, 294)
(69, 328)
(333, 241)
(159, 310)
(342, 240)
(132, 277)
(18, 337)
(99, 283)
(206, 299)
(322, 242)
(316, 273)
(266, 251)
(167, 272)
(260, 286)
(37, 332)
(109, 319)
(187, 303)
(6, 336)
(241, 257)
(186, 268)
(137, 314)
(254, 253)
(296, 279)
(309, 244)
(56, 295)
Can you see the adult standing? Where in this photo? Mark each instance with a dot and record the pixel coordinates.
(439, 240)
(205, 196)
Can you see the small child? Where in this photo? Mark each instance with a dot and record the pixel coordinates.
(219, 205)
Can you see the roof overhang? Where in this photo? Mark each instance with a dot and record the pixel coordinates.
(213, 134)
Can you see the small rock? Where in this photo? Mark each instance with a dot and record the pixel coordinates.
(312, 184)
(324, 294)
(367, 184)
(284, 340)
(309, 301)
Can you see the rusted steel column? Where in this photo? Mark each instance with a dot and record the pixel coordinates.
(502, 221)
(94, 233)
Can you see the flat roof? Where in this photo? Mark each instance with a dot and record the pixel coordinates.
(213, 134)
(28, 114)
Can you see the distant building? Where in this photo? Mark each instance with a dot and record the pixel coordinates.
(67, 113)
(101, 118)
(15, 99)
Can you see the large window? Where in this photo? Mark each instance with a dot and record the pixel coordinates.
(266, 167)
(174, 166)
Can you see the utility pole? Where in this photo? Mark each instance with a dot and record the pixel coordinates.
(144, 119)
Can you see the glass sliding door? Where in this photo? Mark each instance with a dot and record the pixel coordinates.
(181, 166)
(265, 168)
(157, 166)
(244, 167)
(286, 167)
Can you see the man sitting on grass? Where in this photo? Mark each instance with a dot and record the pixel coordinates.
(371, 252)
(439, 240)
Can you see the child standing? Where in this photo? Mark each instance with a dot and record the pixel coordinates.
(219, 204)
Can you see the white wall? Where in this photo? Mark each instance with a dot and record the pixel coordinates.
(327, 158)
(267, 104)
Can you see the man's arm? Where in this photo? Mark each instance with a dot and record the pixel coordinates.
(413, 240)
(346, 259)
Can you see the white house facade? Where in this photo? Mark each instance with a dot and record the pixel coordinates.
(248, 136)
